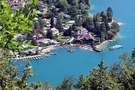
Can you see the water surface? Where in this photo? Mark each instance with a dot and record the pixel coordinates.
(55, 67)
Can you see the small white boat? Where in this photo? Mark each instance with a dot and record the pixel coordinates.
(71, 50)
(116, 47)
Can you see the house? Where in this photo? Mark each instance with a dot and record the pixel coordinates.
(45, 30)
(55, 42)
(20, 37)
(37, 36)
(81, 30)
(83, 34)
(47, 21)
(15, 4)
(44, 40)
(65, 26)
(55, 31)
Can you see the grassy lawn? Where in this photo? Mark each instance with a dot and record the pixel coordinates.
(62, 38)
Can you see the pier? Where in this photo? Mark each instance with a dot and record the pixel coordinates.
(35, 57)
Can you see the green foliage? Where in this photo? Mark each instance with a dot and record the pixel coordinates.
(97, 17)
(98, 79)
(68, 32)
(63, 5)
(49, 34)
(87, 2)
(82, 83)
(89, 24)
(118, 76)
(73, 11)
(115, 26)
(109, 12)
(133, 53)
(64, 2)
(102, 37)
(66, 84)
(110, 34)
(13, 23)
(59, 24)
(73, 2)
(123, 71)
(47, 85)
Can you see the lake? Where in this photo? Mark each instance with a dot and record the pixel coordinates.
(55, 67)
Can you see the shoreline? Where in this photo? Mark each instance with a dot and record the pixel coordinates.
(104, 44)
(47, 51)
(44, 53)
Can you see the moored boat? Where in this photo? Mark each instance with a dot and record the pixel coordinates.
(71, 50)
(116, 47)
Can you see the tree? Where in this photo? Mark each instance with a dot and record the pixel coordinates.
(59, 24)
(107, 26)
(12, 23)
(109, 12)
(52, 22)
(89, 24)
(66, 84)
(116, 27)
(97, 28)
(49, 34)
(78, 21)
(101, 80)
(98, 17)
(62, 4)
(68, 32)
(110, 34)
(103, 27)
(110, 19)
(102, 36)
(123, 72)
(47, 85)
(82, 83)
(98, 79)
(87, 2)
(41, 23)
(73, 11)
(104, 17)
(133, 53)
(73, 2)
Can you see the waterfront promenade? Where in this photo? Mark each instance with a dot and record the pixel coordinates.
(34, 57)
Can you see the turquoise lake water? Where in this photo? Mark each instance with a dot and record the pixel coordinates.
(55, 67)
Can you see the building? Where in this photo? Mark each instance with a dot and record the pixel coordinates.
(20, 37)
(83, 34)
(15, 4)
(55, 31)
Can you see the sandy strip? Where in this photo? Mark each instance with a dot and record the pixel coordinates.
(105, 43)
(102, 45)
